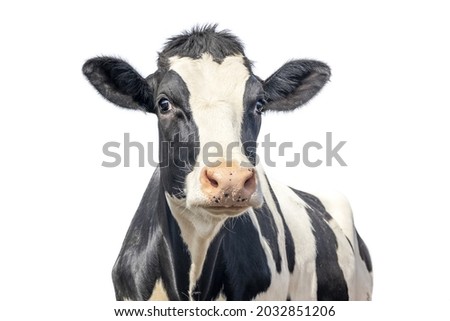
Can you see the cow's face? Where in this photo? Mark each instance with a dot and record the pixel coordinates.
(221, 107)
(209, 107)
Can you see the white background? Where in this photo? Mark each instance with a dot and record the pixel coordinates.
(64, 216)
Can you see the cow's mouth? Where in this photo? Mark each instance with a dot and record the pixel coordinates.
(226, 210)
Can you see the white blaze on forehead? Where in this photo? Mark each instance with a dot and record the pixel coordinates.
(216, 96)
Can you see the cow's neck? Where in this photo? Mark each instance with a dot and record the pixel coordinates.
(197, 230)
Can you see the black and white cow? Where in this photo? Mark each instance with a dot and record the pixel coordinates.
(216, 227)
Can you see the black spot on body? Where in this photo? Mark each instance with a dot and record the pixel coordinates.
(364, 252)
(235, 264)
(331, 284)
(269, 231)
(289, 241)
(248, 273)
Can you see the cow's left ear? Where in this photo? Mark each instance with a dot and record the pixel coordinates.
(294, 84)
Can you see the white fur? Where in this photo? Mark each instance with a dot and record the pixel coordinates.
(159, 292)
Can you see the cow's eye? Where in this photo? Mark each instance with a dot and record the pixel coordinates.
(259, 106)
(164, 105)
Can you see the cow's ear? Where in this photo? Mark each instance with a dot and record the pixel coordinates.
(294, 84)
(118, 82)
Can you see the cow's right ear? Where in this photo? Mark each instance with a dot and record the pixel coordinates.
(294, 84)
(118, 82)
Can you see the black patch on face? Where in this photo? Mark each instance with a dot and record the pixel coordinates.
(331, 284)
(178, 134)
(251, 123)
(200, 40)
(289, 241)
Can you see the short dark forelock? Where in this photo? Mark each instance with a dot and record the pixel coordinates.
(200, 40)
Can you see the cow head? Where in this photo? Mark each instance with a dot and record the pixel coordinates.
(209, 106)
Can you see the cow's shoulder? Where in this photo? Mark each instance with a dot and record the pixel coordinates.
(338, 206)
(337, 210)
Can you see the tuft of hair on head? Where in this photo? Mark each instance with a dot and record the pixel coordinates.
(202, 39)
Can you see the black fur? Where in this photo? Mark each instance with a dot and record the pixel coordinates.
(118, 82)
(295, 83)
(200, 40)
(252, 119)
(245, 261)
(269, 231)
(224, 270)
(178, 135)
(288, 239)
(364, 252)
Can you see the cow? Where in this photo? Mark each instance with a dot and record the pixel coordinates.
(211, 225)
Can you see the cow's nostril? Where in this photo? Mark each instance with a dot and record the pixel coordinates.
(213, 182)
(209, 177)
